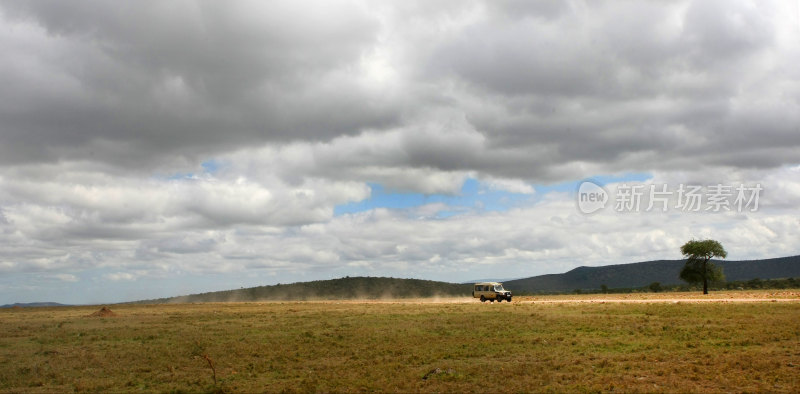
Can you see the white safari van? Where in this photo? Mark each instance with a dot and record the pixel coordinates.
(491, 291)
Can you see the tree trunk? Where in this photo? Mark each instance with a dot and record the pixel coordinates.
(705, 277)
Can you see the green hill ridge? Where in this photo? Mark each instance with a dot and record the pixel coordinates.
(634, 275)
(641, 274)
(332, 289)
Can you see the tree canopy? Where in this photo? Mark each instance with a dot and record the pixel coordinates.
(698, 268)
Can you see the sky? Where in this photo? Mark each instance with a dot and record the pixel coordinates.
(151, 149)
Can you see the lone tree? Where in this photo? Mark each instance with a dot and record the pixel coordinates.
(698, 268)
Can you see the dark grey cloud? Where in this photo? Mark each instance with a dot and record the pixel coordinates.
(143, 81)
(673, 85)
(640, 86)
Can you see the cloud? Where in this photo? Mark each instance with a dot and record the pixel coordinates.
(548, 235)
(511, 185)
(142, 83)
(94, 205)
(122, 276)
(508, 90)
(109, 112)
(66, 277)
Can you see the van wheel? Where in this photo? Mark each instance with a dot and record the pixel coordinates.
(483, 299)
(499, 300)
(509, 300)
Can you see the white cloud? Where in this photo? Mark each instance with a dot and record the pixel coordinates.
(303, 106)
(121, 276)
(511, 185)
(66, 277)
(547, 236)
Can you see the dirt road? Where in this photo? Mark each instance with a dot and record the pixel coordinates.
(659, 300)
(634, 298)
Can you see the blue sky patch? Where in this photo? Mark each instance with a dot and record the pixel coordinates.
(210, 166)
(474, 195)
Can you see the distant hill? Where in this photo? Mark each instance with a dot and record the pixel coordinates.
(642, 274)
(334, 289)
(32, 304)
(489, 280)
(633, 275)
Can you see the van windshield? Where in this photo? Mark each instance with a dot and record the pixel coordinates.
(498, 288)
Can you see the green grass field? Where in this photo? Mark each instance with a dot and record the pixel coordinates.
(437, 347)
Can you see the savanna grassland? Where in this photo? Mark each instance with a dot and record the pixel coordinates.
(404, 346)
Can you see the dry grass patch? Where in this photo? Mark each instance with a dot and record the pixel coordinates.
(401, 346)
